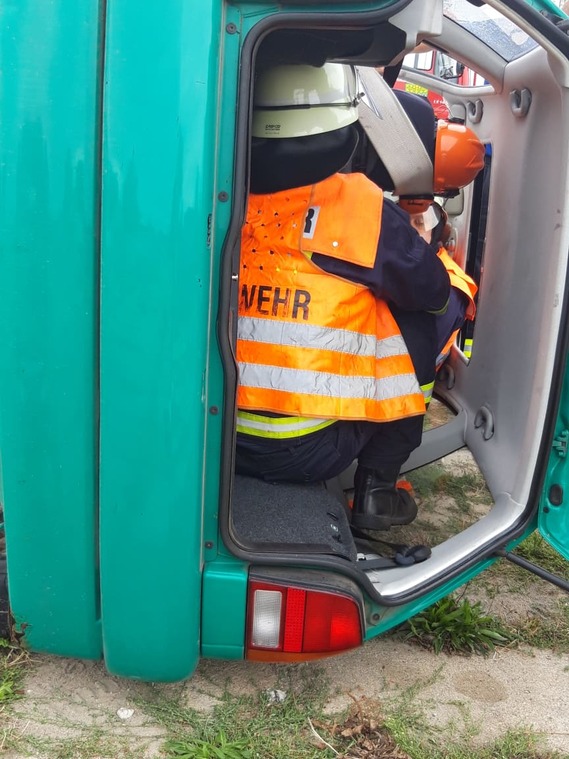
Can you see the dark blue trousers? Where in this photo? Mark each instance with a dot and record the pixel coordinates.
(324, 454)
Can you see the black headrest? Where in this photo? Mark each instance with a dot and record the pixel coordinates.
(283, 164)
(422, 116)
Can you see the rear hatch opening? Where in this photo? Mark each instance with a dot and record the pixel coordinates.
(493, 422)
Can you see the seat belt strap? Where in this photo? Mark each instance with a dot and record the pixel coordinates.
(393, 136)
(405, 555)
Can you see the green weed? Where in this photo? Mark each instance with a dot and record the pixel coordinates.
(12, 660)
(220, 748)
(541, 611)
(456, 627)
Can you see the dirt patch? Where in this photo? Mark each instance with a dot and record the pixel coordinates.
(69, 703)
(511, 689)
(364, 733)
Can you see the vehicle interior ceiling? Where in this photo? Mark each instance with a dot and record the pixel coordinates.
(499, 397)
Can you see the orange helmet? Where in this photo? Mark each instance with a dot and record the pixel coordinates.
(459, 156)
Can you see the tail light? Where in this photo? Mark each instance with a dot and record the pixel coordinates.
(291, 623)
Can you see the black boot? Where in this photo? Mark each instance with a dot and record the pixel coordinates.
(378, 503)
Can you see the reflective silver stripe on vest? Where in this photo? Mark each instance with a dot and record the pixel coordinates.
(296, 335)
(326, 385)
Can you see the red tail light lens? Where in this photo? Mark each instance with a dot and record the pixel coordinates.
(292, 623)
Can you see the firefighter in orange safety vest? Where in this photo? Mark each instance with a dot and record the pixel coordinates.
(458, 156)
(339, 297)
(434, 228)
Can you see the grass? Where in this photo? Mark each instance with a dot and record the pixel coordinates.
(244, 726)
(538, 551)
(98, 744)
(448, 503)
(256, 726)
(217, 748)
(12, 660)
(533, 611)
(527, 609)
(252, 727)
(456, 627)
(419, 739)
(546, 631)
(466, 489)
(506, 575)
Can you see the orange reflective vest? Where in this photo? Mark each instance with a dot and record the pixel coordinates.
(312, 345)
(460, 280)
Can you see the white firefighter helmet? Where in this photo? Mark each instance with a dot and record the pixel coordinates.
(301, 100)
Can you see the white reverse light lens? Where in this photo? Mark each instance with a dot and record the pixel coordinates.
(266, 631)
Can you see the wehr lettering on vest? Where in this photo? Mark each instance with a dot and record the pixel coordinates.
(263, 298)
(247, 297)
(259, 298)
(281, 300)
(301, 301)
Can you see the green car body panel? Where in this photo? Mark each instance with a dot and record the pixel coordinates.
(106, 325)
(117, 136)
(158, 160)
(553, 519)
(49, 230)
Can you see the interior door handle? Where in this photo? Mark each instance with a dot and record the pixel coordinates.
(520, 101)
(484, 420)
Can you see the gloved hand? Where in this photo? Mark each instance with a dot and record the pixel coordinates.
(441, 230)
